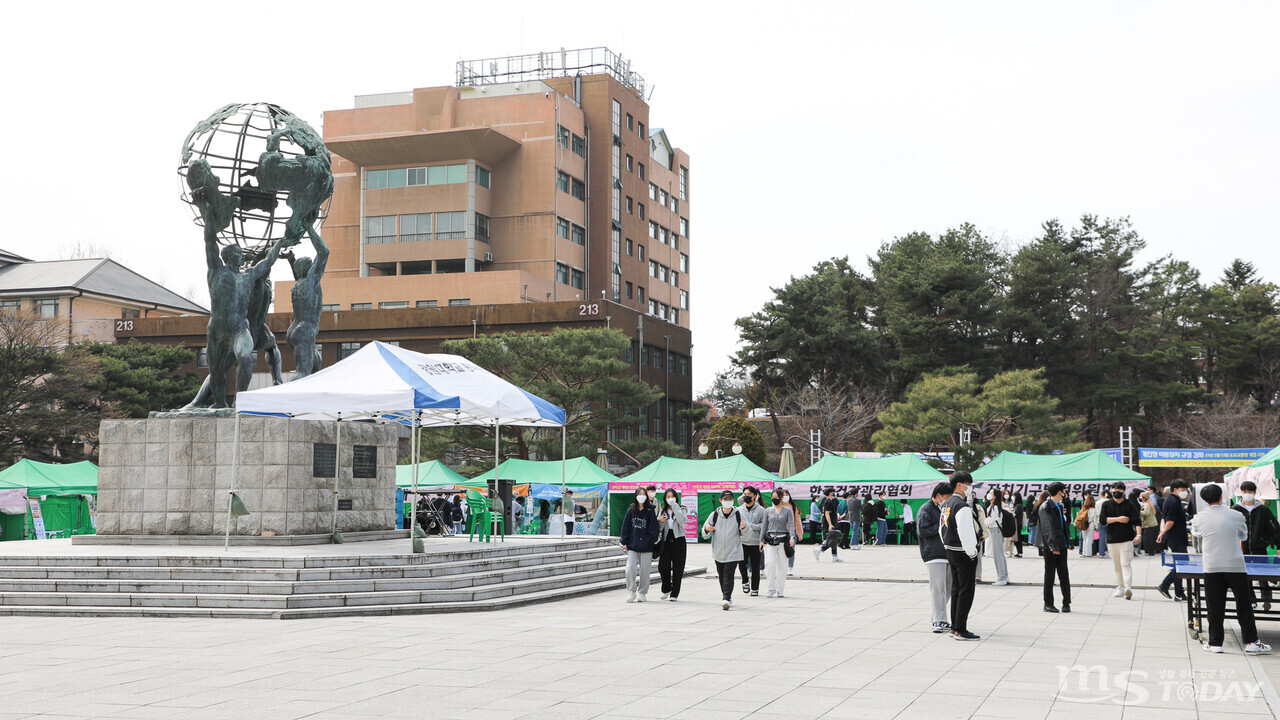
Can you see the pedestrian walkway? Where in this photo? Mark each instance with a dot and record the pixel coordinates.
(831, 648)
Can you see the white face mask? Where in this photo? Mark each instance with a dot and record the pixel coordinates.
(1182, 494)
(726, 504)
(641, 498)
(671, 502)
(787, 499)
(1248, 498)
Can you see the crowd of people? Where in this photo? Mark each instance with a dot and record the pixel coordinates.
(955, 530)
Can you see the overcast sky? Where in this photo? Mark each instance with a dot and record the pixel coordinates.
(815, 129)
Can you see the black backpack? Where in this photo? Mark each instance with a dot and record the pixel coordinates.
(1007, 524)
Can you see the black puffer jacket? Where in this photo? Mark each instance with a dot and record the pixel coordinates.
(928, 526)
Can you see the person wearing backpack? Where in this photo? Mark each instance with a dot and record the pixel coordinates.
(724, 528)
(1086, 522)
(995, 531)
(639, 536)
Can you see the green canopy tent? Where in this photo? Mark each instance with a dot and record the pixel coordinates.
(65, 493)
(1091, 471)
(704, 479)
(547, 479)
(433, 474)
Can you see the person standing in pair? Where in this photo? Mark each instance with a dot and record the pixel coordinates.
(1264, 531)
(1120, 519)
(934, 555)
(882, 519)
(752, 556)
(994, 521)
(854, 516)
(675, 548)
(778, 533)
(725, 527)
(1222, 534)
(1173, 533)
(1051, 538)
(639, 535)
(960, 539)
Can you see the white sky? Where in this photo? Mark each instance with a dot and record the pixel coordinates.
(815, 129)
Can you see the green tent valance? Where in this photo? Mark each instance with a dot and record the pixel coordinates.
(48, 479)
(838, 469)
(1094, 465)
(734, 471)
(430, 474)
(577, 472)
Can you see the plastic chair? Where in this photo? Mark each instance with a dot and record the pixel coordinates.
(531, 527)
(481, 516)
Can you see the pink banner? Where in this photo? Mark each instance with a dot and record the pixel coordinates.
(689, 496)
(13, 502)
(891, 490)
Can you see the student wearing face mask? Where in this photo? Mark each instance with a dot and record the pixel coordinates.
(791, 548)
(639, 532)
(934, 555)
(777, 534)
(1173, 533)
(1264, 531)
(1150, 523)
(960, 539)
(752, 553)
(724, 528)
(671, 518)
(1052, 538)
(1120, 518)
(830, 525)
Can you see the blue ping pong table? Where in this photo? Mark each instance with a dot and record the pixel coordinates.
(1259, 568)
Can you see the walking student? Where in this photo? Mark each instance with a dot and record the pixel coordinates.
(752, 555)
(934, 555)
(1120, 519)
(854, 515)
(844, 518)
(995, 533)
(830, 525)
(960, 539)
(1052, 540)
(675, 548)
(1173, 533)
(725, 527)
(1221, 533)
(639, 535)
(1264, 531)
(778, 533)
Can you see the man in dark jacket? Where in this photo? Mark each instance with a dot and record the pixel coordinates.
(1173, 532)
(855, 520)
(869, 519)
(1051, 536)
(1264, 531)
(882, 519)
(934, 555)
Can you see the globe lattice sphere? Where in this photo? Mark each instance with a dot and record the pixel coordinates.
(231, 140)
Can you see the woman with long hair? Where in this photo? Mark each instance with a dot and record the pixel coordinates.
(1020, 521)
(994, 518)
(671, 558)
(791, 549)
(778, 533)
(638, 536)
(1089, 512)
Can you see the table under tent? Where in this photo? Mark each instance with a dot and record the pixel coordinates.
(697, 482)
(388, 384)
(899, 477)
(66, 494)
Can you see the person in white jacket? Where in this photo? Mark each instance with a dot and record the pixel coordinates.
(994, 538)
(960, 539)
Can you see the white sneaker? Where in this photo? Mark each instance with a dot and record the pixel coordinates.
(1000, 582)
(836, 559)
(642, 598)
(673, 599)
(666, 595)
(726, 605)
(780, 594)
(631, 597)
(1119, 592)
(790, 573)
(1257, 648)
(817, 555)
(1128, 593)
(1215, 648)
(772, 593)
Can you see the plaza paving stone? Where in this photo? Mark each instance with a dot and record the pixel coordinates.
(838, 646)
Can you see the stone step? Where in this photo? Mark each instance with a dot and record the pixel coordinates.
(421, 578)
(496, 603)
(10, 574)
(238, 540)
(318, 600)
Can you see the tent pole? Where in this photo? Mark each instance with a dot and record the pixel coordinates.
(563, 472)
(235, 468)
(497, 460)
(337, 471)
(415, 446)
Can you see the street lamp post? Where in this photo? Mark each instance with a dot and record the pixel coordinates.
(737, 446)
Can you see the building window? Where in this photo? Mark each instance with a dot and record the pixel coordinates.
(562, 273)
(675, 316)
(575, 278)
(631, 122)
(362, 306)
(578, 234)
(562, 228)
(631, 206)
(665, 197)
(579, 189)
(640, 293)
(641, 210)
(684, 299)
(630, 290)
(415, 227)
(483, 177)
(641, 256)
(662, 235)
(684, 183)
(380, 229)
(617, 118)
(324, 460)
(653, 268)
(631, 164)
(459, 302)
(347, 349)
(364, 461)
(675, 241)
(409, 177)
(675, 204)
(393, 304)
(641, 133)
(579, 146)
(427, 303)
(675, 278)
(641, 166)
(630, 249)
(663, 272)
(664, 310)
(451, 225)
(631, 355)
(684, 227)
(330, 307)
(202, 358)
(562, 182)
(562, 135)
(653, 306)
(684, 263)
(482, 227)
(653, 230)
(644, 355)
(657, 361)
(653, 191)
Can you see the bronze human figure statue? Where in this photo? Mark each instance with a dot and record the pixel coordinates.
(307, 300)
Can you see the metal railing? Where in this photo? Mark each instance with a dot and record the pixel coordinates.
(537, 66)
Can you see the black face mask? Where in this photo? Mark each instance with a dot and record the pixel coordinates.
(1117, 495)
(777, 501)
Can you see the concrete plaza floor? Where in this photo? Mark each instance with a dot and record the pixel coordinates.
(839, 647)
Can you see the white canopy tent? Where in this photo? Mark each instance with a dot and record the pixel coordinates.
(387, 384)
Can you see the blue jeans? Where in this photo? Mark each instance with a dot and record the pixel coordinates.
(1031, 535)
(1102, 540)
(854, 527)
(882, 529)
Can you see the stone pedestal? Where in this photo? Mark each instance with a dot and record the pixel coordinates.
(170, 476)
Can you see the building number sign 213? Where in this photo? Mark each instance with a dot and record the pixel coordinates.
(124, 325)
(591, 309)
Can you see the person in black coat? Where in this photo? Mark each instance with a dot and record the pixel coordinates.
(1052, 538)
(1264, 531)
(639, 535)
